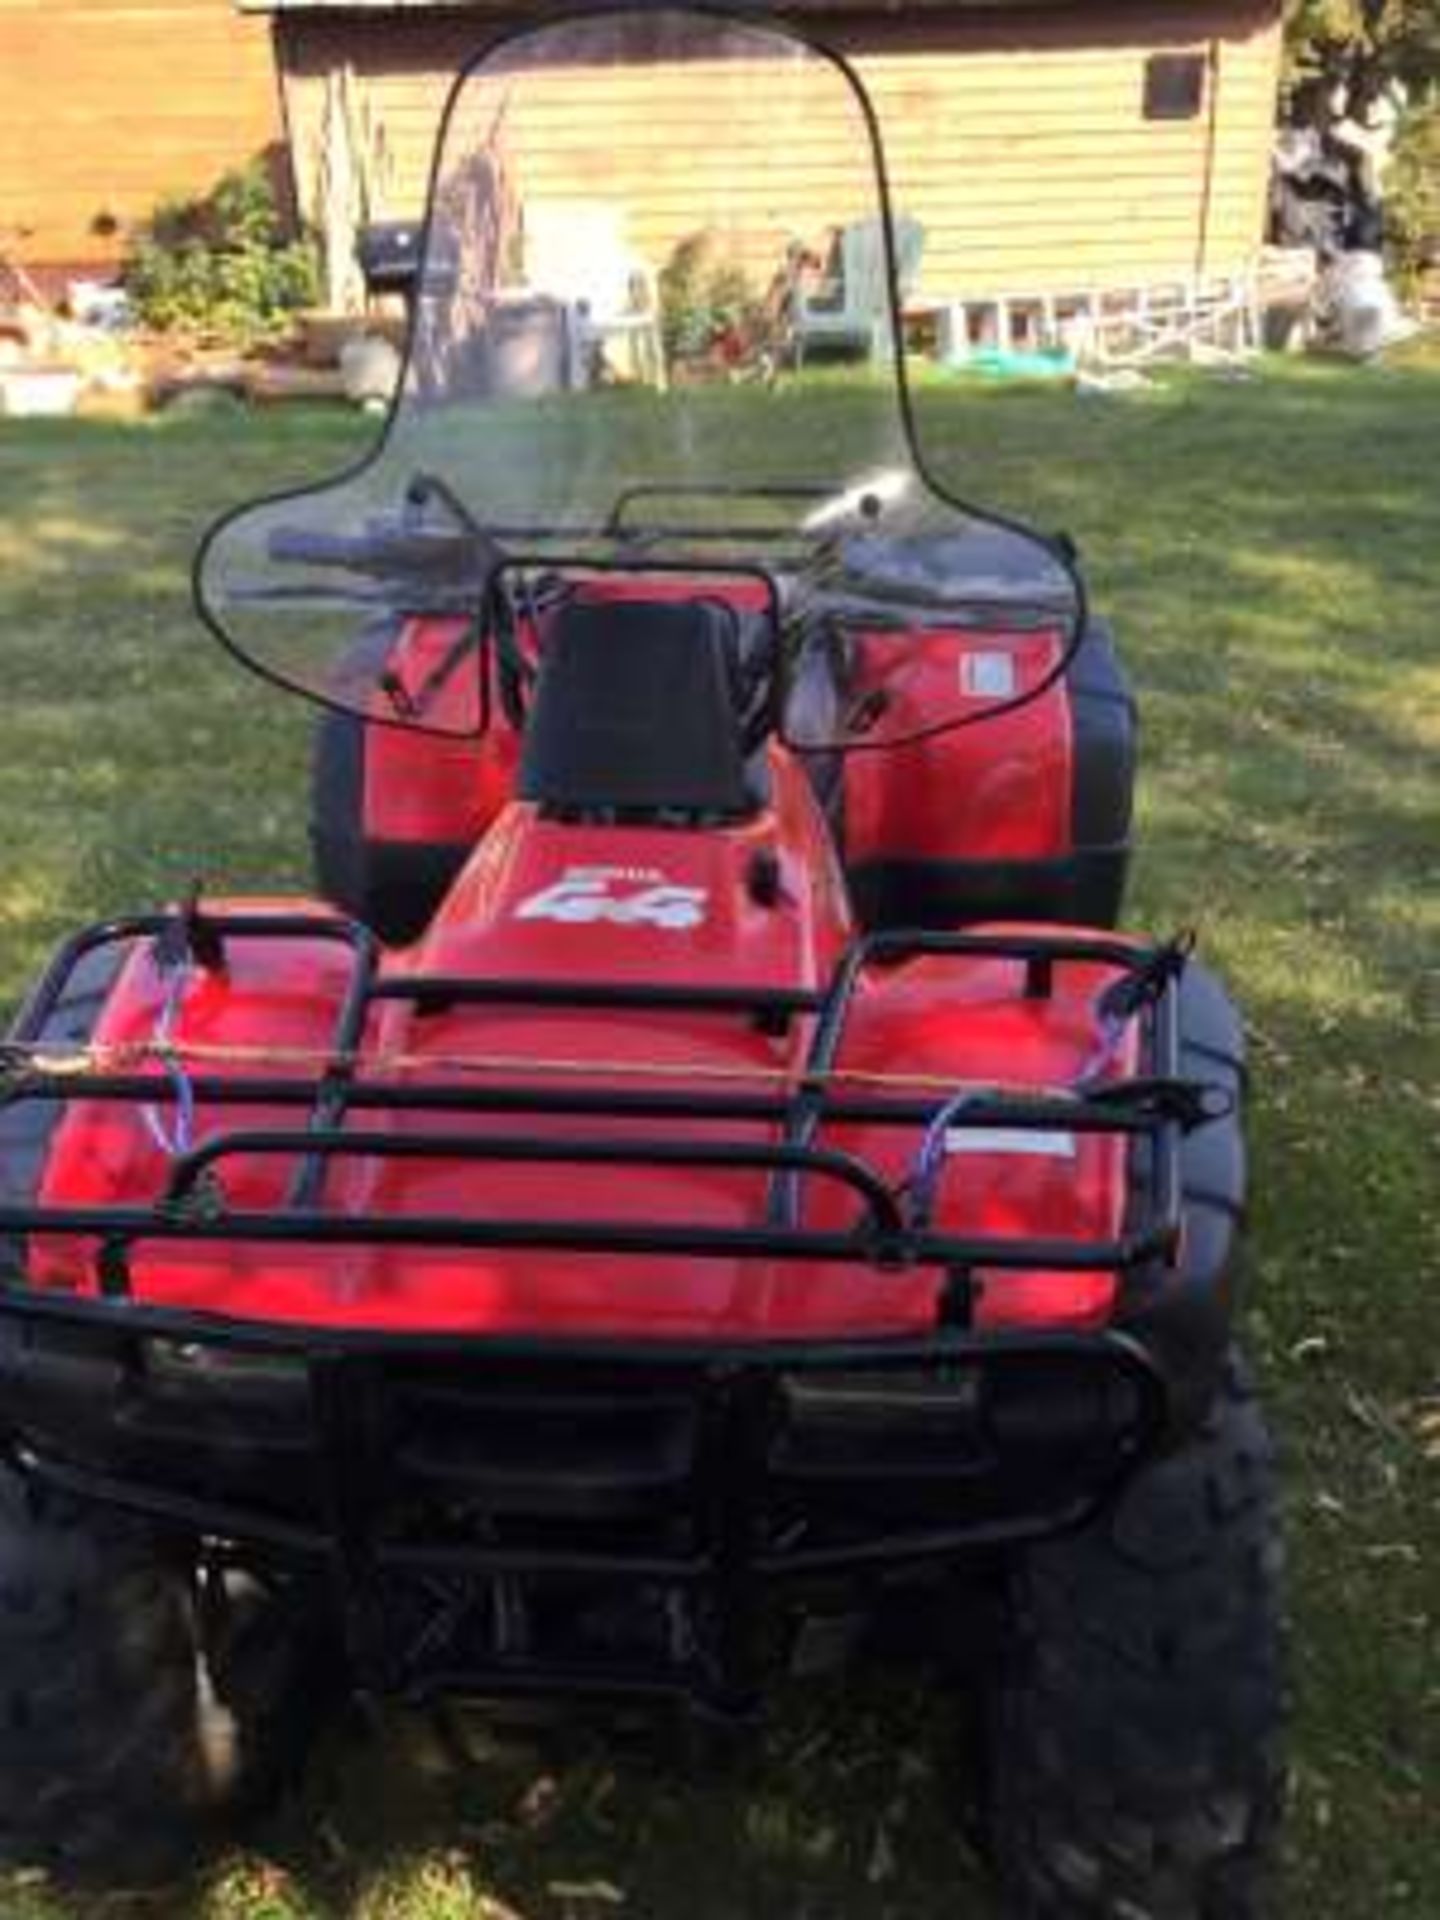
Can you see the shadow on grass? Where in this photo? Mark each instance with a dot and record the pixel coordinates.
(849, 1804)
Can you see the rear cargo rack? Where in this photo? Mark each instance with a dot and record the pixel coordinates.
(886, 1234)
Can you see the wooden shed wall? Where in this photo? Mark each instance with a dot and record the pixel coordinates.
(1017, 137)
(106, 105)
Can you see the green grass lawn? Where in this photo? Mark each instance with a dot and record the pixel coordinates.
(1270, 552)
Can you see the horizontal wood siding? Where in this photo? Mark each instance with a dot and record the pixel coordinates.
(108, 105)
(1017, 138)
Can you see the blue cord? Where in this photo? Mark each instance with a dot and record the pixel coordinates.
(1114, 1018)
(180, 1139)
(925, 1175)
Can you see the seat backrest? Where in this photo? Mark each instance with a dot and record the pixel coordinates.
(863, 267)
(635, 713)
(909, 250)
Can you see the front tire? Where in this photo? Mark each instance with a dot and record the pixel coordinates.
(125, 1742)
(1134, 1752)
(140, 1707)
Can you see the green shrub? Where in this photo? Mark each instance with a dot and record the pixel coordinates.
(222, 265)
(702, 298)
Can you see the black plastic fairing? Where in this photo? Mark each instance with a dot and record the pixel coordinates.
(1104, 744)
(1184, 1313)
(1084, 888)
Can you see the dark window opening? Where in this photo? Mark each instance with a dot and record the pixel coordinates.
(1174, 86)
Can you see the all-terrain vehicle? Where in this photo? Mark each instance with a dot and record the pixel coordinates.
(691, 1188)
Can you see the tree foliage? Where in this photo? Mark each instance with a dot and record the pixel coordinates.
(1375, 48)
(1366, 44)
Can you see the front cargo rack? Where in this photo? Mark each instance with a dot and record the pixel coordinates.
(628, 1520)
(890, 1235)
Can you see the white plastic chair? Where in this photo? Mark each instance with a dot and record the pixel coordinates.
(576, 251)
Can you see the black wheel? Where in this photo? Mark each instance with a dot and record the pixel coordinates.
(124, 1739)
(395, 889)
(1134, 1730)
(141, 1701)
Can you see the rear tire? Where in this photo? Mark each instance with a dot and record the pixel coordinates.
(337, 796)
(1134, 1731)
(393, 888)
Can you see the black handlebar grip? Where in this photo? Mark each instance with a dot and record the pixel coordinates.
(309, 546)
(444, 558)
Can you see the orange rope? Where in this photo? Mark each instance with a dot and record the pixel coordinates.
(103, 1058)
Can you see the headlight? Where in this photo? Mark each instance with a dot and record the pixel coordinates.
(231, 1375)
(876, 1420)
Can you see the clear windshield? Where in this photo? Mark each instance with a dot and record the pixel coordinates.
(655, 322)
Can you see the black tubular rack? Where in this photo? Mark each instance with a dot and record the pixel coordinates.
(327, 1102)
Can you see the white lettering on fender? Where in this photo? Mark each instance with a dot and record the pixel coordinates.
(618, 896)
(1039, 1142)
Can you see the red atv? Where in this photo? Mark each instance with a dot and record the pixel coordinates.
(691, 1193)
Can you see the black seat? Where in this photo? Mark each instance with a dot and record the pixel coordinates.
(635, 713)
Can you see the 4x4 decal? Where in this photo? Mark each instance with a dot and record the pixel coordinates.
(618, 896)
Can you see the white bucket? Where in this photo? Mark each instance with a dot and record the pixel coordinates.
(38, 393)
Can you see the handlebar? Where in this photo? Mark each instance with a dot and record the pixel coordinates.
(443, 559)
(438, 572)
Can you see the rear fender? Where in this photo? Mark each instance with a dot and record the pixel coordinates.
(1026, 815)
